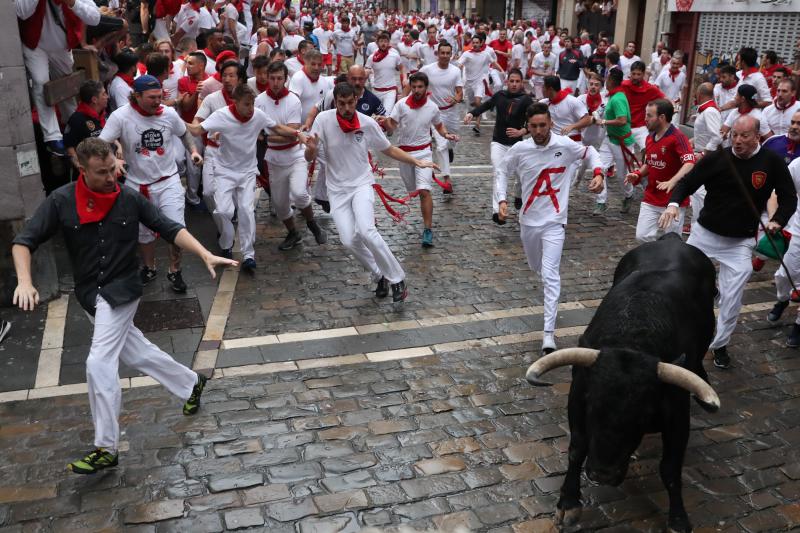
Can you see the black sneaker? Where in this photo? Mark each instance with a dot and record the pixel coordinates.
(793, 340)
(325, 204)
(147, 275)
(227, 253)
(382, 290)
(176, 279)
(249, 265)
(721, 357)
(517, 203)
(292, 239)
(193, 403)
(476, 132)
(5, 327)
(777, 311)
(399, 291)
(319, 234)
(450, 155)
(94, 461)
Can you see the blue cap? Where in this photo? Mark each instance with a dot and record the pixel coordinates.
(145, 82)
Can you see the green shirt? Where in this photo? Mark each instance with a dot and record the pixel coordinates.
(617, 106)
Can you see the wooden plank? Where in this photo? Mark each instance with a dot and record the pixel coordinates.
(58, 90)
(86, 60)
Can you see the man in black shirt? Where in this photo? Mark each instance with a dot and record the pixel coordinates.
(570, 63)
(88, 119)
(510, 106)
(100, 224)
(728, 223)
(597, 61)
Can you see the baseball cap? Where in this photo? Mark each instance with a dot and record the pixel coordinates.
(145, 82)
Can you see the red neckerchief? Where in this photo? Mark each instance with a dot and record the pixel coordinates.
(673, 76)
(749, 108)
(261, 87)
(127, 78)
(627, 54)
(706, 105)
(301, 60)
(348, 125)
(228, 98)
(145, 113)
(586, 41)
(195, 7)
(779, 108)
(614, 91)
(142, 68)
(413, 103)
(747, 71)
(560, 95)
(730, 86)
(207, 51)
(235, 113)
(93, 206)
(481, 49)
(593, 101)
(312, 80)
(432, 43)
(379, 54)
(277, 97)
(664, 60)
(87, 110)
(407, 41)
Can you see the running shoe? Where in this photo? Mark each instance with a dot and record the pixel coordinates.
(5, 327)
(176, 281)
(325, 204)
(227, 253)
(599, 209)
(721, 357)
(382, 290)
(548, 344)
(292, 239)
(427, 238)
(94, 461)
(626, 205)
(319, 234)
(476, 131)
(777, 311)
(147, 275)
(56, 148)
(193, 403)
(793, 340)
(399, 291)
(758, 264)
(517, 203)
(249, 265)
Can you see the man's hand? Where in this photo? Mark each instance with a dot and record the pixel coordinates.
(502, 212)
(197, 159)
(312, 141)
(120, 164)
(450, 100)
(667, 185)
(468, 118)
(668, 217)
(26, 297)
(597, 184)
(567, 129)
(633, 178)
(213, 261)
(421, 163)
(513, 133)
(773, 227)
(452, 137)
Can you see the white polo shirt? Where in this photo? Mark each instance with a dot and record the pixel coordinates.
(385, 71)
(310, 93)
(442, 82)
(414, 125)
(237, 144)
(568, 111)
(288, 110)
(780, 120)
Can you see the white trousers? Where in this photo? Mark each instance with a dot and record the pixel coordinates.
(169, 197)
(647, 226)
(735, 267)
(116, 339)
(792, 260)
(415, 178)
(193, 174)
(236, 192)
(441, 157)
(497, 152)
(697, 200)
(640, 137)
(543, 245)
(210, 172)
(289, 187)
(353, 213)
(611, 155)
(321, 185)
(40, 65)
(388, 99)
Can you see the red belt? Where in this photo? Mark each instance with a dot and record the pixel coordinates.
(145, 189)
(446, 107)
(209, 142)
(576, 137)
(283, 146)
(384, 89)
(414, 148)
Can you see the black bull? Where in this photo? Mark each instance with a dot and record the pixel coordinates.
(639, 358)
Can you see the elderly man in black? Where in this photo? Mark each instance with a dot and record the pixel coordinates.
(100, 223)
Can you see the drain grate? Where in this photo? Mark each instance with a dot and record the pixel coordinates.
(163, 315)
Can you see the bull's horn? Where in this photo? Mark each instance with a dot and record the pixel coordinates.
(688, 380)
(565, 357)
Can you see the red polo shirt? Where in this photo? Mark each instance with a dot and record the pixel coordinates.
(664, 158)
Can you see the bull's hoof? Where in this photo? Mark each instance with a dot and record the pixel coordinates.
(568, 517)
(679, 525)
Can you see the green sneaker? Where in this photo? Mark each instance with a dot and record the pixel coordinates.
(96, 460)
(193, 403)
(626, 205)
(599, 209)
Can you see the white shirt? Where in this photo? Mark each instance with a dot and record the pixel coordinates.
(530, 162)
(793, 226)
(594, 133)
(757, 80)
(372, 48)
(237, 144)
(518, 57)
(476, 65)
(385, 71)
(396, 37)
(324, 37)
(53, 37)
(706, 130)
(207, 19)
(625, 64)
(722, 96)
(451, 36)
(411, 63)
(671, 88)
(428, 53)
(251, 82)
(189, 20)
(287, 111)
(414, 125)
(293, 65)
(147, 142)
(310, 93)
(568, 111)
(442, 83)
(779, 121)
(344, 42)
(346, 155)
(118, 93)
(548, 65)
(290, 42)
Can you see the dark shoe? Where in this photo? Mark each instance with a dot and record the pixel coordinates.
(199, 207)
(319, 234)
(56, 148)
(399, 291)
(382, 290)
(147, 275)
(758, 264)
(793, 340)
(450, 155)
(476, 131)
(517, 203)
(626, 205)
(249, 265)
(176, 279)
(193, 403)
(5, 327)
(777, 311)
(721, 357)
(427, 238)
(235, 218)
(325, 204)
(227, 253)
(599, 209)
(496, 220)
(292, 239)
(94, 461)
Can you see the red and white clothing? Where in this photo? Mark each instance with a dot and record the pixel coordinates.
(723, 95)
(476, 67)
(543, 63)
(236, 174)
(188, 19)
(778, 117)
(309, 91)
(324, 37)
(385, 66)
(706, 128)
(428, 53)
(409, 53)
(671, 84)
(545, 173)
(119, 90)
(593, 135)
(291, 42)
(756, 79)
(504, 46)
(214, 101)
(288, 173)
(257, 88)
(344, 41)
(350, 179)
(293, 65)
(625, 63)
(442, 84)
(413, 135)
(664, 157)
(566, 109)
(518, 59)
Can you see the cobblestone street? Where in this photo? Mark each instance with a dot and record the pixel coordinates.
(331, 411)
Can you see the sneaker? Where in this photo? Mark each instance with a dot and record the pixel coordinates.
(399, 292)
(249, 265)
(325, 204)
(687, 229)
(147, 275)
(227, 253)
(450, 155)
(319, 234)
(176, 279)
(5, 327)
(476, 131)
(548, 344)
(382, 290)
(427, 238)
(193, 403)
(292, 239)
(517, 203)
(721, 357)
(793, 340)
(626, 205)
(777, 311)
(56, 148)
(758, 264)
(94, 461)
(599, 209)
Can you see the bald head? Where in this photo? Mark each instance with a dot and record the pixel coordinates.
(746, 123)
(357, 77)
(705, 90)
(744, 136)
